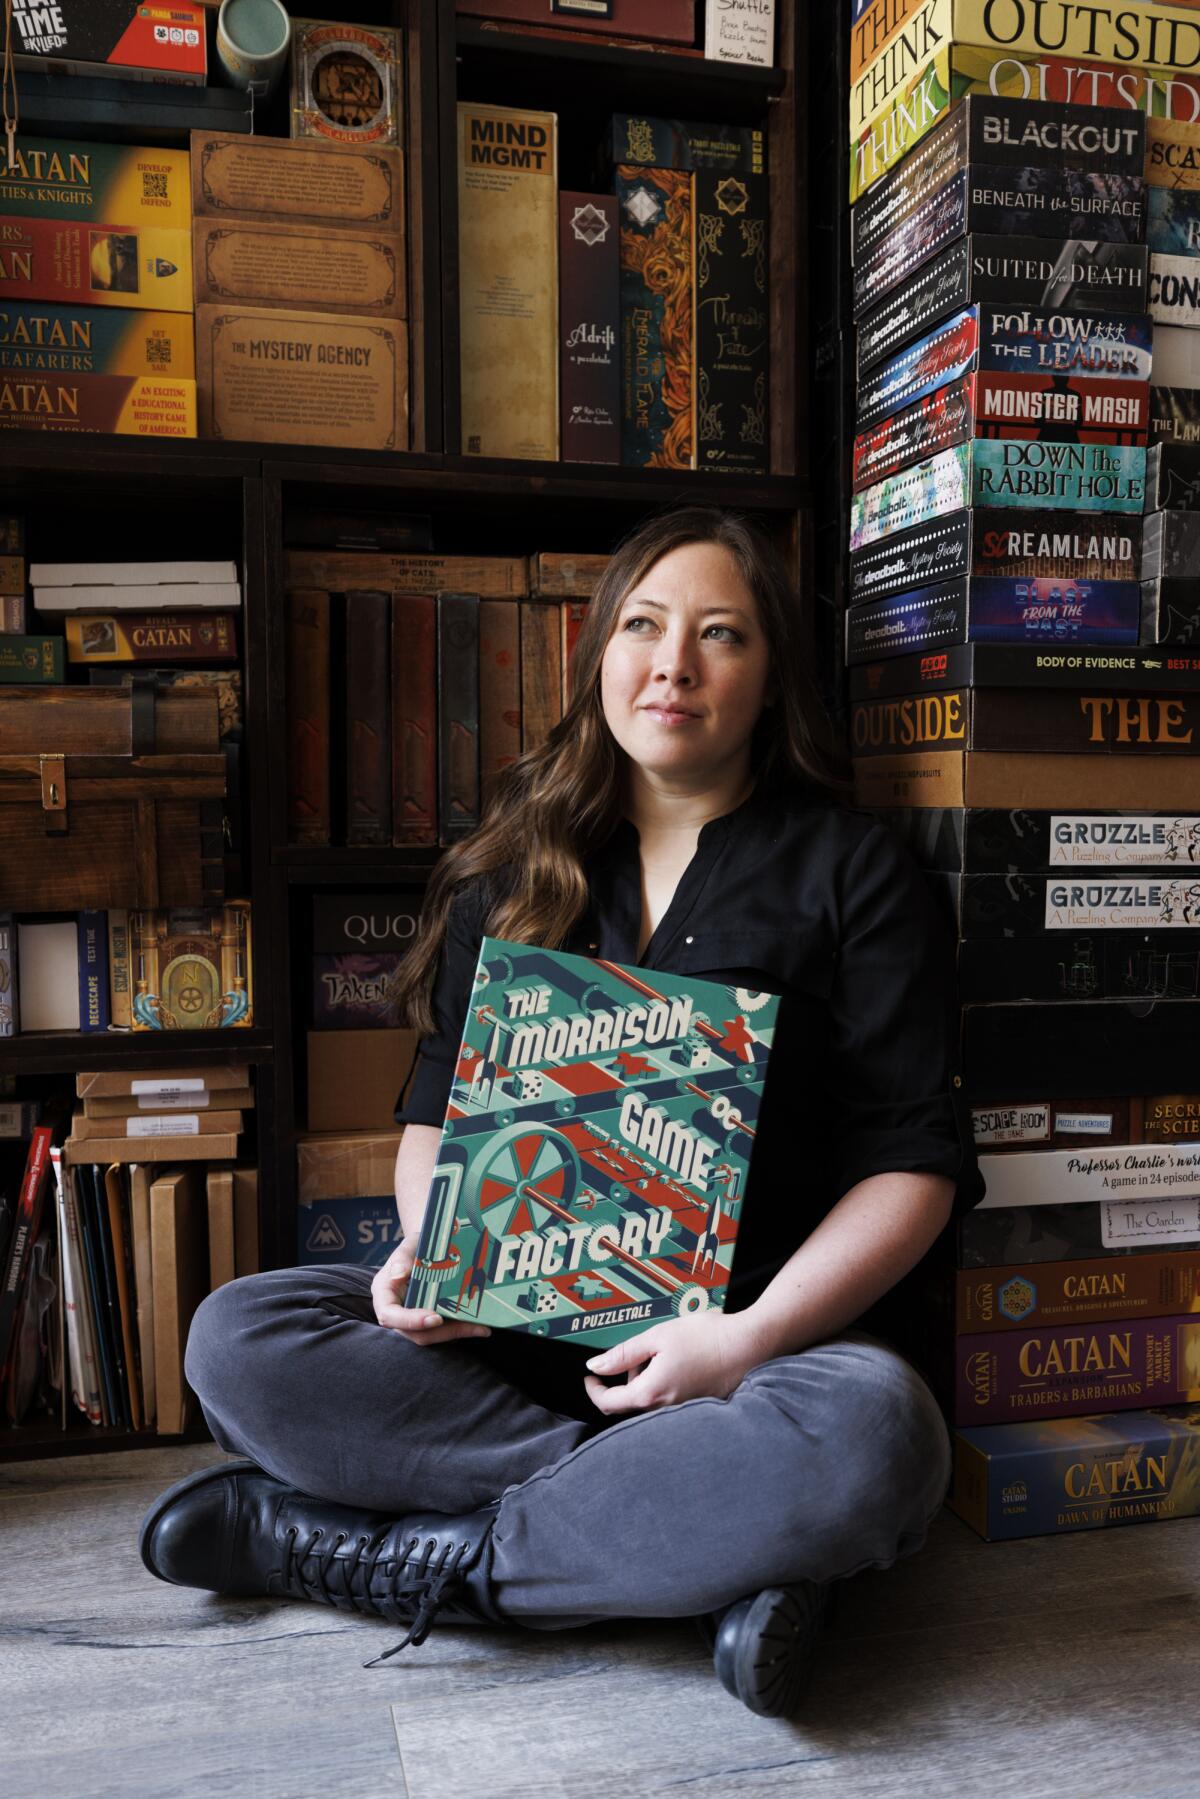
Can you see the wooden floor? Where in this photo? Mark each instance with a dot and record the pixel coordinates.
(1039, 1670)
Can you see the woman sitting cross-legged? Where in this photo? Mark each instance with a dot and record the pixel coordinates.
(727, 1465)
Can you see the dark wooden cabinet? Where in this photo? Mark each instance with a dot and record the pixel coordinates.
(109, 498)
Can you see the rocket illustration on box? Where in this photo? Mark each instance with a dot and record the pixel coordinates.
(596, 1146)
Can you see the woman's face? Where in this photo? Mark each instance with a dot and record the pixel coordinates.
(686, 671)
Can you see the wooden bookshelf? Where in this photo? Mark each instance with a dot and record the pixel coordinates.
(106, 492)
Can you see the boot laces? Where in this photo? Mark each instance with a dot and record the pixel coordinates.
(401, 1589)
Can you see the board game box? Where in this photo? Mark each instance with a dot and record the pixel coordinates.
(1057, 1474)
(596, 1147)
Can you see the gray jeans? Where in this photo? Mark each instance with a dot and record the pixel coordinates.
(817, 1465)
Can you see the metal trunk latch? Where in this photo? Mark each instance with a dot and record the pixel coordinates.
(54, 791)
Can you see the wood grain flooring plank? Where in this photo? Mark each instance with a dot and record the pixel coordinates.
(1056, 1668)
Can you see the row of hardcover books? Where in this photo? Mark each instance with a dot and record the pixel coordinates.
(413, 680)
(150, 970)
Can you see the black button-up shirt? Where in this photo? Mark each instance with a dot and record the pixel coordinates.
(822, 906)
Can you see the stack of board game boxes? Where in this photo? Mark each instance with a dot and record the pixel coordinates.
(1023, 712)
(96, 286)
(301, 285)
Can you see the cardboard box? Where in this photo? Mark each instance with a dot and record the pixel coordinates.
(100, 264)
(355, 1077)
(307, 182)
(347, 1201)
(1010, 781)
(302, 378)
(161, 1086)
(168, 1105)
(124, 405)
(88, 340)
(222, 1147)
(299, 266)
(150, 1129)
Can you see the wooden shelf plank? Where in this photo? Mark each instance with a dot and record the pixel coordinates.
(45, 1437)
(306, 866)
(120, 460)
(645, 71)
(55, 1052)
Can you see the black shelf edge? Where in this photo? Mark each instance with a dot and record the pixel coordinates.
(26, 457)
(706, 75)
(44, 1439)
(55, 1052)
(315, 867)
(486, 478)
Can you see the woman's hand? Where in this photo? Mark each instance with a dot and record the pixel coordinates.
(686, 1358)
(414, 1324)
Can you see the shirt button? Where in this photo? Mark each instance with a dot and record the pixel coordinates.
(689, 940)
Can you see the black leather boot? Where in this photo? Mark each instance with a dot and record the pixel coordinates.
(763, 1645)
(233, 1529)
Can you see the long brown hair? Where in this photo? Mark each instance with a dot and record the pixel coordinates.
(564, 798)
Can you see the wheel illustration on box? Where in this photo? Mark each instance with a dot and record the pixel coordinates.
(521, 1162)
(690, 1300)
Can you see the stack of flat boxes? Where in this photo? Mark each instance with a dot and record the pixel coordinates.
(301, 285)
(96, 289)
(1000, 704)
